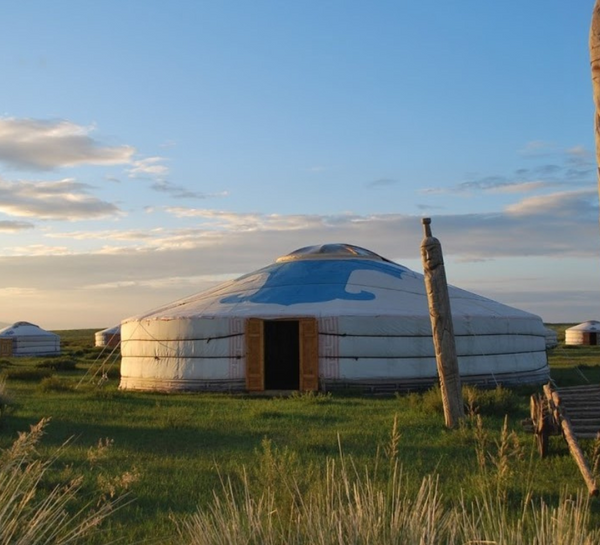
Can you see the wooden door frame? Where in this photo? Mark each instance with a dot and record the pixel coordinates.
(308, 340)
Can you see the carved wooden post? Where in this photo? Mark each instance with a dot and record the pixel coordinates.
(594, 45)
(441, 326)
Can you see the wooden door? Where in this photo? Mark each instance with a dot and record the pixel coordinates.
(309, 354)
(6, 347)
(255, 355)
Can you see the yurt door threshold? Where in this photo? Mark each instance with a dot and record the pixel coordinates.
(282, 354)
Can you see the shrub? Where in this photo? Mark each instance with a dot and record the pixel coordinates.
(497, 401)
(5, 400)
(58, 364)
(27, 373)
(56, 384)
(4, 362)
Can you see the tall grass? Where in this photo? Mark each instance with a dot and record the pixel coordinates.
(348, 505)
(32, 514)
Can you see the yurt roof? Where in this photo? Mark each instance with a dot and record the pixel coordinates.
(590, 325)
(24, 329)
(327, 280)
(110, 330)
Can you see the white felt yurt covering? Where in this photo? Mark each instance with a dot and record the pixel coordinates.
(30, 340)
(326, 317)
(586, 333)
(110, 337)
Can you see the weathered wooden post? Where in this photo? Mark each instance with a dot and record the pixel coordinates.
(441, 326)
(594, 45)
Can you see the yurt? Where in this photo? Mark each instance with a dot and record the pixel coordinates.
(551, 339)
(109, 337)
(326, 317)
(25, 339)
(587, 333)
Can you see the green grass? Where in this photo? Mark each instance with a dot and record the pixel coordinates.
(170, 452)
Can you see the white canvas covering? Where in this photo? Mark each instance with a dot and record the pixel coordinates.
(108, 337)
(586, 333)
(31, 340)
(374, 329)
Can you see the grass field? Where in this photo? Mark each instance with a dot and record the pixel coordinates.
(169, 453)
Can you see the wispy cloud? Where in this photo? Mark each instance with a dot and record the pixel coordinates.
(180, 192)
(15, 226)
(575, 167)
(149, 167)
(569, 204)
(34, 144)
(124, 235)
(537, 148)
(382, 182)
(538, 225)
(59, 200)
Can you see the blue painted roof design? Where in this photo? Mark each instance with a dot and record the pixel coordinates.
(314, 281)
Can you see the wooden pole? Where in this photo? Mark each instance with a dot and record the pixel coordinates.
(594, 46)
(441, 326)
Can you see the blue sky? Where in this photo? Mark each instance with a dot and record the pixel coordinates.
(151, 149)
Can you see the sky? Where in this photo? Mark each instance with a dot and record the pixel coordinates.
(150, 150)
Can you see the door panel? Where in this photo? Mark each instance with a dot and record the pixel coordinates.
(255, 376)
(309, 354)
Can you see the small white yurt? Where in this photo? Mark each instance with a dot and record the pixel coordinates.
(25, 339)
(109, 337)
(587, 333)
(325, 317)
(551, 339)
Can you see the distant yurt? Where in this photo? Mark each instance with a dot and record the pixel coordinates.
(25, 339)
(587, 333)
(551, 339)
(326, 317)
(109, 337)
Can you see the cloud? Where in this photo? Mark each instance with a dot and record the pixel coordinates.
(575, 168)
(497, 184)
(38, 250)
(136, 272)
(562, 223)
(180, 192)
(148, 168)
(429, 207)
(569, 204)
(173, 281)
(121, 235)
(580, 154)
(59, 200)
(34, 144)
(18, 292)
(14, 226)
(537, 148)
(382, 182)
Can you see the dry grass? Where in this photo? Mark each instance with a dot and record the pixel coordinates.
(350, 506)
(32, 514)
